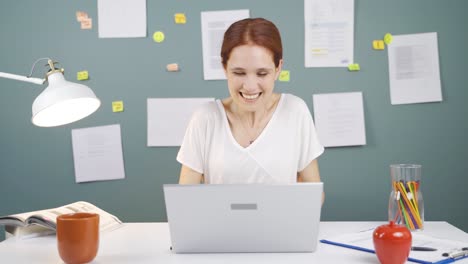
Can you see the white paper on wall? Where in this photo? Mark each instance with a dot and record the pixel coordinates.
(339, 119)
(413, 64)
(97, 153)
(168, 119)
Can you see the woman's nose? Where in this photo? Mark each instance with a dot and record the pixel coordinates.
(250, 84)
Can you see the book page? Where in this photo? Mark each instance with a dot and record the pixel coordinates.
(47, 217)
(27, 231)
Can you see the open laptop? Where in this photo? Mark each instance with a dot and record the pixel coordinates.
(215, 218)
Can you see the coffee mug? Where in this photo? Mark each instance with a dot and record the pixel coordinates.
(78, 237)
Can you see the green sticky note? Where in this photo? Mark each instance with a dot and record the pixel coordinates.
(354, 67)
(284, 76)
(388, 38)
(117, 106)
(158, 36)
(82, 75)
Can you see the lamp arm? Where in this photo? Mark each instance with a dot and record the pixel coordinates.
(29, 78)
(22, 78)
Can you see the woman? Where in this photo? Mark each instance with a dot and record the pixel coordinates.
(255, 135)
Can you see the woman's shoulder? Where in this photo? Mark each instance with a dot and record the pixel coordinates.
(207, 107)
(208, 110)
(294, 102)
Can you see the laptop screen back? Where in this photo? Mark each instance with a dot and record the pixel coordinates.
(243, 218)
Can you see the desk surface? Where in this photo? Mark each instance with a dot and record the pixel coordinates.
(150, 242)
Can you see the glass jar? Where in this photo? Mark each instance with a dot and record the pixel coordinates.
(406, 204)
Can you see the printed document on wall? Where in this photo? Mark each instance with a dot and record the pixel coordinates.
(339, 119)
(122, 18)
(413, 64)
(97, 153)
(329, 33)
(168, 119)
(213, 25)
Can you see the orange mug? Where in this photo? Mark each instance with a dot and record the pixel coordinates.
(78, 237)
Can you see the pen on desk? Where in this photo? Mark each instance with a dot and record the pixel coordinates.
(423, 249)
(456, 254)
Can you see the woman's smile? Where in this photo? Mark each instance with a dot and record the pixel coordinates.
(250, 97)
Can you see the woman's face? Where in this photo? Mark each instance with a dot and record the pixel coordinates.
(251, 75)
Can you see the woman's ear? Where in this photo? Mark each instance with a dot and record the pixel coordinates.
(278, 69)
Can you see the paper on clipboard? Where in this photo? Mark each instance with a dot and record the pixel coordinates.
(363, 241)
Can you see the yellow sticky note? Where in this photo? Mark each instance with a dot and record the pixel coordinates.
(354, 67)
(117, 106)
(284, 76)
(82, 75)
(158, 36)
(378, 44)
(388, 38)
(179, 18)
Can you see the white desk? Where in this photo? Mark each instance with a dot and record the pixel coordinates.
(150, 242)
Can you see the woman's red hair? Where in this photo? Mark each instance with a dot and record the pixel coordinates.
(252, 31)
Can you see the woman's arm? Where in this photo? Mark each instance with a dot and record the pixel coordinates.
(311, 174)
(189, 176)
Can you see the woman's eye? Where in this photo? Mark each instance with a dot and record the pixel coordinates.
(262, 74)
(238, 73)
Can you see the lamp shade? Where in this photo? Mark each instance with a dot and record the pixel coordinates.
(63, 102)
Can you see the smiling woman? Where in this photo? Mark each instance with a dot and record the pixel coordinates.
(255, 135)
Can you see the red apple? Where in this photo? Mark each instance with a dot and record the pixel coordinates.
(392, 243)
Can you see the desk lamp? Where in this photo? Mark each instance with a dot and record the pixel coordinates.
(62, 102)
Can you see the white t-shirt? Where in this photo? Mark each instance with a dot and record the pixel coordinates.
(286, 146)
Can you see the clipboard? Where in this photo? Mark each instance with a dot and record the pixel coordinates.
(362, 241)
(366, 250)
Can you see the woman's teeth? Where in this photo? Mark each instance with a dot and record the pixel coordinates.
(251, 96)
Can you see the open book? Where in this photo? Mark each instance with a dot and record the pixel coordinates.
(43, 222)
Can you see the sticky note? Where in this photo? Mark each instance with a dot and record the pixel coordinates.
(388, 38)
(179, 18)
(354, 67)
(158, 36)
(87, 23)
(378, 44)
(80, 16)
(117, 106)
(173, 67)
(82, 75)
(284, 76)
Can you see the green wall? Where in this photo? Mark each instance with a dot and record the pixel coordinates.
(36, 164)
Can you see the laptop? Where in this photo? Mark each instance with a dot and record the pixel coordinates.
(218, 218)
